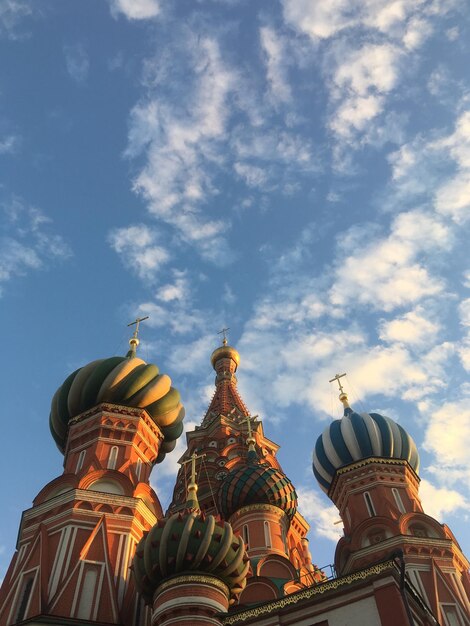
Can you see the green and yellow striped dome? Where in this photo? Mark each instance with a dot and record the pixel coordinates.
(127, 381)
(190, 543)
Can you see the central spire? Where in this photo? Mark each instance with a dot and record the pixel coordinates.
(226, 401)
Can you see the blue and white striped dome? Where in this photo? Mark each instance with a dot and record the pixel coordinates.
(358, 436)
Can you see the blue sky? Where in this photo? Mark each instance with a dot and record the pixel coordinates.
(298, 171)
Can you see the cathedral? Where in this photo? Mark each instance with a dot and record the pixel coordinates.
(96, 548)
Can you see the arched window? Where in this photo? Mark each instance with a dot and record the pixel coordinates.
(369, 504)
(267, 535)
(81, 459)
(138, 468)
(398, 500)
(246, 536)
(112, 457)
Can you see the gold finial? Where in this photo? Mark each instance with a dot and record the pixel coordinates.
(224, 333)
(342, 394)
(191, 497)
(134, 341)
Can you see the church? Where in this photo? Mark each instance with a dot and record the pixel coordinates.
(96, 548)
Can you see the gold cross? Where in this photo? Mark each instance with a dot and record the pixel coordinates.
(193, 460)
(337, 378)
(248, 419)
(137, 322)
(224, 333)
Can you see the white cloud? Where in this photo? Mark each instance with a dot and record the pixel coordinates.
(319, 513)
(139, 250)
(448, 434)
(359, 82)
(439, 502)
(28, 243)
(412, 328)
(77, 62)
(387, 273)
(178, 290)
(452, 198)
(276, 61)
(370, 67)
(253, 175)
(182, 146)
(12, 12)
(8, 144)
(135, 9)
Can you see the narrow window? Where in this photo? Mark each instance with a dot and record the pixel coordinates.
(267, 535)
(246, 536)
(398, 500)
(23, 599)
(369, 504)
(87, 595)
(284, 539)
(451, 615)
(81, 459)
(138, 468)
(112, 457)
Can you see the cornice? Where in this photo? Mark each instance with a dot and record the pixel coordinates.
(192, 579)
(426, 544)
(372, 460)
(258, 507)
(307, 594)
(87, 495)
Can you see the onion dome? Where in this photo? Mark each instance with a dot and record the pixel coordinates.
(359, 436)
(225, 352)
(127, 381)
(190, 542)
(256, 484)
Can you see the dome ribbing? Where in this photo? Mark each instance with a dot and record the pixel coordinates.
(190, 543)
(256, 484)
(359, 436)
(126, 381)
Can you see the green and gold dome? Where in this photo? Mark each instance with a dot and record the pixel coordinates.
(255, 483)
(126, 381)
(190, 543)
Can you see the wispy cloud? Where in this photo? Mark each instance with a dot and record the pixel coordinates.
(27, 243)
(9, 144)
(366, 47)
(12, 12)
(77, 62)
(276, 60)
(182, 146)
(140, 250)
(319, 513)
(135, 9)
(439, 502)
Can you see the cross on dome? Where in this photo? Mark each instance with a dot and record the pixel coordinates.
(191, 497)
(342, 394)
(134, 340)
(224, 333)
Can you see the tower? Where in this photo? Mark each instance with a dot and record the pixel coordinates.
(241, 480)
(368, 465)
(113, 419)
(190, 566)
